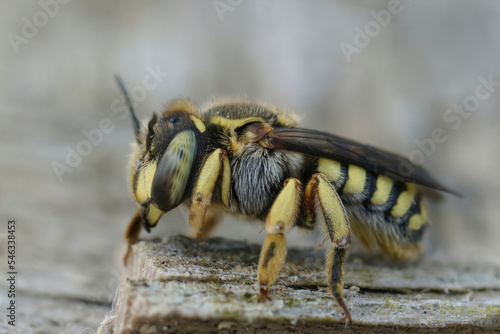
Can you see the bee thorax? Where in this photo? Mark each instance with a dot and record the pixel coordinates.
(258, 175)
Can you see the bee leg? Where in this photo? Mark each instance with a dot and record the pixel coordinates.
(213, 217)
(280, 220)
(132, 233)
(146, 215)
(321, 200)
(216, 167)
(335, 270)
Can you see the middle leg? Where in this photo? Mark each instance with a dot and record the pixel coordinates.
(279, 221)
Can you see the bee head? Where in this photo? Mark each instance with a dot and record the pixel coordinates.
(171, 149)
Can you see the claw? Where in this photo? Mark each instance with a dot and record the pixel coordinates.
(127, 255)
(200, 237)
(347, 315)
(264, 295)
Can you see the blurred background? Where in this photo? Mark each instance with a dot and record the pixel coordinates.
(418, 78)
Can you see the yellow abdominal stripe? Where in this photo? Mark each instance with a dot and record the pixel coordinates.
(383, 190)
(419, 219)
(356, 176)
(330, 168)
(405, 200)
(356, 180)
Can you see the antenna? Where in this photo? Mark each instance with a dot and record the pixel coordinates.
(135, 121)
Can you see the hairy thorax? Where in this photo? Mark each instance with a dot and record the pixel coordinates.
(258, 175)
(257, 172)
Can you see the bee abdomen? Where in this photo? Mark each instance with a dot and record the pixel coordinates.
(377, 194)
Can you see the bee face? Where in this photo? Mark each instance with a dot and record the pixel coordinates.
(170, 150)
(176, 163)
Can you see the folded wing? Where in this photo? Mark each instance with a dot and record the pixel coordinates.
(325, 145)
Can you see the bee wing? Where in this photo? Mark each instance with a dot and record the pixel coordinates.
(325, 145)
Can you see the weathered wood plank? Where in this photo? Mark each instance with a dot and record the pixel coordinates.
(177, 284)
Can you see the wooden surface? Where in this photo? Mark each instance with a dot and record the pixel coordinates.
(178, 285)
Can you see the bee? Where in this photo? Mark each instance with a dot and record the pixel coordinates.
(254, 160)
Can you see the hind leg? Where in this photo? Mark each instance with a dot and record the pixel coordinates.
(322, 201)
(335, 262)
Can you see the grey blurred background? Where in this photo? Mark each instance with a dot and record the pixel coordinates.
(352, 68)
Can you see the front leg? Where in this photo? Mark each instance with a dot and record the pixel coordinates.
(280, 220)
(215, 167)
(132, 233)
(213, 216)
(146, 215)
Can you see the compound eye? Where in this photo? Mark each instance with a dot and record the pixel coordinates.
(174, 120)
(173, 171)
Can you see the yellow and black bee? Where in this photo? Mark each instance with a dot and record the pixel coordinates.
(251, 159)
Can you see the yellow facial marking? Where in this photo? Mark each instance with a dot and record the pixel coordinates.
(383, 190)
(331, 169)
(419, 219)
(133, 162)
(154, 214)
(333, 208)
(234, 123)
(405, 200)
(198, 123)
(226, 180)
(356, 179)
(282, 215)
(144, 182)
